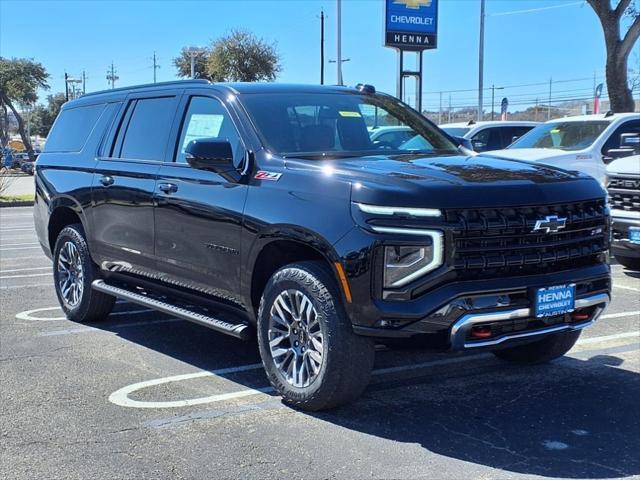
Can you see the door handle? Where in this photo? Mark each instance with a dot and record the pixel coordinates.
(106, 180)
(168, 187)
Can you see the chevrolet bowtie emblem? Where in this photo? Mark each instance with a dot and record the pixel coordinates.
(550, 224)
(413, 4)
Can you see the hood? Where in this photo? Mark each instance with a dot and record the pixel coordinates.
(625, 166)
(529, 154)
(453, 181)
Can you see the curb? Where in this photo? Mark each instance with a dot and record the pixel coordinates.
(23, 203)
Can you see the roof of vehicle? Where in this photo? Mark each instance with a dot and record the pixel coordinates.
(235, 88)
(489, 123)
(608, 117)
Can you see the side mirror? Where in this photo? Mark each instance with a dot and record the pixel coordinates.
(210, 154)
(479, 146)
(463, 142)
(615, 153)
(630, 141)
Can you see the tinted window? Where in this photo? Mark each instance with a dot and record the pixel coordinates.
(148, 129)
(613, 141)
(335, 125)
(72, 128)
(207, 118)
(562, 135)
(487, 139)
(509, 133)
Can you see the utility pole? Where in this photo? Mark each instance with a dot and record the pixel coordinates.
(449, 119)
(192, 53)
(84, 83)
(481, 61)
(440, 110)
(321, 47)
(111, 76)
(66, 86)
(549, 105)
(339, 41)
(155, 67)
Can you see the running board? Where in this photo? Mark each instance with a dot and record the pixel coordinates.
(238, 330)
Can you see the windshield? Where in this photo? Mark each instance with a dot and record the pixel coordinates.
(456, 131)
(562, 135)
(339, 125)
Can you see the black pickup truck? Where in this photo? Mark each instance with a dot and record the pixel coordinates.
(268, 209)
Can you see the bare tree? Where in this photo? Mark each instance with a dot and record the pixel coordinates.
(618, 48)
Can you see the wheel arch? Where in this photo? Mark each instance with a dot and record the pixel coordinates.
(272, 252)
(64, 211)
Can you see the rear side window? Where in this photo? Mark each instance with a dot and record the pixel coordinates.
(148, 129)
(72, 128)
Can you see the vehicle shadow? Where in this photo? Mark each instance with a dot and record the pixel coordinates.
(573, 418)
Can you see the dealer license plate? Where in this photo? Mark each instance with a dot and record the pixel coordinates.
(556, 300)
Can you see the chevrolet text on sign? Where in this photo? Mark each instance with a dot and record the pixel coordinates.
(411, 24)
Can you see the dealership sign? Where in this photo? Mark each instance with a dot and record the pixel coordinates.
(411, 24)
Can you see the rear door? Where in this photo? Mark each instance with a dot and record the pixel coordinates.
(124, 182)
(198, 214)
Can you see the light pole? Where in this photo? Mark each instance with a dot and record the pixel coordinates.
(493, 98)
(481, 61)
(340, 67)
(339, 41)
(193, 52)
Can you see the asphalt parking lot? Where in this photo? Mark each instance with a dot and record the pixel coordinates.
(143, 395)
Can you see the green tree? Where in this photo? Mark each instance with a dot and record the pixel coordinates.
(242, 57)
(20, 79)
(42, 117)
(619, 44)
(237, 57)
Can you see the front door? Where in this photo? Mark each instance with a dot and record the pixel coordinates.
(124, 184)
(198, 214)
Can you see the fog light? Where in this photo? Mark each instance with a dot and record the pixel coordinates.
(481, 332)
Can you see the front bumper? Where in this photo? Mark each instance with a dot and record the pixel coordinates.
(621, 246)
(460, 331)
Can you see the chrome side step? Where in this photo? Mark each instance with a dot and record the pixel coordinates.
(238, 330)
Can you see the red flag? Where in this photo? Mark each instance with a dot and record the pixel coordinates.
(596, 99)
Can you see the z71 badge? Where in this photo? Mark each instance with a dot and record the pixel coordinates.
(263, 175)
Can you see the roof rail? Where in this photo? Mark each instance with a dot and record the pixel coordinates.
(198, 81)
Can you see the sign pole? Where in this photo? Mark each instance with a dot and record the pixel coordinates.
(419, 83)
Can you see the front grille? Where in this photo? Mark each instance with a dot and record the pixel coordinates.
(490, 242)
(625, 193)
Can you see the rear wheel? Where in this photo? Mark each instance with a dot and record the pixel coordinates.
(629, 262)
(542, 351)
(73, 272)
(308, 348)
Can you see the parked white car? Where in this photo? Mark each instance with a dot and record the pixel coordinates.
(486, 136)
(623, 185)
(584, 143)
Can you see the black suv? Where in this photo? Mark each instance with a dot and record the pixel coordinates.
(267, 208)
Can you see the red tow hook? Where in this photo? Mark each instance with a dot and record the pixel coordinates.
(481, 332)
(579, 317)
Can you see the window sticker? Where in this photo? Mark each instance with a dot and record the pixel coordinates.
(202, 125)
(350, 114)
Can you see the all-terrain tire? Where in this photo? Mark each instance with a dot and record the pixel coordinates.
(542, 351)
(92, 306)
(629, 262)
(347, 358)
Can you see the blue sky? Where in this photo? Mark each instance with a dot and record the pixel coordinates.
(564, 43)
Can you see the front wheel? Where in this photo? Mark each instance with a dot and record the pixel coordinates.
(629, 262)
(308, 348)
(73, 272)
(541, 351)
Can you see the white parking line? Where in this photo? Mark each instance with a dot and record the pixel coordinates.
(620, 315)
(29, 315)
(19, 248)
(26, 269)
(14, 287)
(36, 257)
(4, 277)
(72, 331)
(625, 287)
(121, 397)
(19, 244)
(14, 228)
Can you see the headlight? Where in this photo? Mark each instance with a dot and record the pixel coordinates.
(403, 264)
